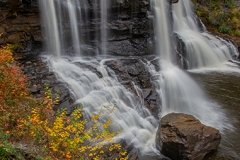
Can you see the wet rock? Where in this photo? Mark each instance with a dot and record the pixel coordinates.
(181, 136)
(134, 73)
(153, 102)
(133, 155)
(131, 69)
(34, 89)
(126, 47)
(20, 22)
(146, 93)
(39, 75)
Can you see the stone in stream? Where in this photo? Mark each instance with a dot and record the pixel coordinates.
(181, 136)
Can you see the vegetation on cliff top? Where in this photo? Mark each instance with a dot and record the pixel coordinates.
(220, 16)
(30, 128)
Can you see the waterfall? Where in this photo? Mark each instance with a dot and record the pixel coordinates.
(179, 93)
(130, 117)
(162, 29)
(51, 24)
(202, 49)
(60, 18)
(103, 26)
(72, 9)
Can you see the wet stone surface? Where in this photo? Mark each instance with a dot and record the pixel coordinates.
(134, 73)
(39, 75)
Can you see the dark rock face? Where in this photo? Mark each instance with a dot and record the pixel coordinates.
(181, 136)
(39, 74)
(130, 22)
(19, 22)
(129, 29)
(133, 74)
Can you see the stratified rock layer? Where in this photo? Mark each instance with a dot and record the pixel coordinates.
(181, 136)
(19, 22)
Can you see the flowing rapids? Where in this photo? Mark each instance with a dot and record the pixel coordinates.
(130, 117)
(97, 91)
(202, 49)
(179, 92)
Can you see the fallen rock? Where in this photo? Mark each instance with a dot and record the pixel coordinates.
(181, 136)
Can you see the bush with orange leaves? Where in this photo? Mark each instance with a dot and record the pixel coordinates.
(13, 90)
(24, 119)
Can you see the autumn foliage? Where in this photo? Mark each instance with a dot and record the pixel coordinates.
(54, 134)
(223, 16)
(13, 90)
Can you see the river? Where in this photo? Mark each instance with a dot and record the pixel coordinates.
(224, 88)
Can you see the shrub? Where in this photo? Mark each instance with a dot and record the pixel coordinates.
(222, 16)
(237, 33)
(216, 17)
(224, 29)
(231, 4)
(13, 92)
(56, 135)
(15, 46)
(67, 137)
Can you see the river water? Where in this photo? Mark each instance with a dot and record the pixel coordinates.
(224, 88)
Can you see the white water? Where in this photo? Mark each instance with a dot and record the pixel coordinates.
(72, 9)
(103, 26)
(179, 93)
(51, 24)
(62, 19)
(202, 49)
(162, 29)
(134, 121)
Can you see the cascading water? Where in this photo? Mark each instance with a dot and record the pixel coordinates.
(135, 122)
(62, 21)
(179, 92)
(103, 26)
(51, 22)
(137, 125)
(202, 49)
(72, 9)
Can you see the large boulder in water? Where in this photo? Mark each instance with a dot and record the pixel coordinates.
(181, 136)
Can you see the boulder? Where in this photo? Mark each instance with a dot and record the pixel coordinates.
(181, 136)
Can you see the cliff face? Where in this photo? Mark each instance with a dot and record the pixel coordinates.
(128, 23)
(19, 22)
